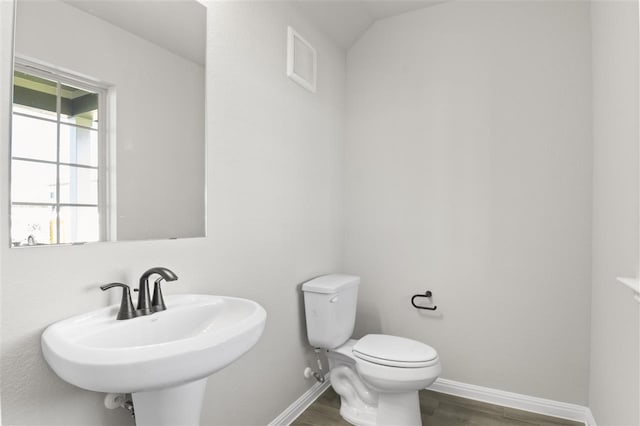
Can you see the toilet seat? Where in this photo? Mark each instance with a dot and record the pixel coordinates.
(394, 351)
(387, 379)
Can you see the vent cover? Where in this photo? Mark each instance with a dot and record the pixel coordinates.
(301, 60)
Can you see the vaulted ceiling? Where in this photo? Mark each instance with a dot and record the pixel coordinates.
(178, 26)
(346, 20)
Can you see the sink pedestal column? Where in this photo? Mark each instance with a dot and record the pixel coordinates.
(175, 406)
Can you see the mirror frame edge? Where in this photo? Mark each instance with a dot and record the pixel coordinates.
(5, 156)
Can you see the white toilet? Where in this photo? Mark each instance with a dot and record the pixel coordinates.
(377, 377)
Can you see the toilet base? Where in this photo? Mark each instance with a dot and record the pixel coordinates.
(357, 417)
(394, 409)
(399, 409)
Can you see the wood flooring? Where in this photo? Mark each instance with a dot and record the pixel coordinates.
(437, 409)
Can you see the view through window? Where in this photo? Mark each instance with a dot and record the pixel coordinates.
(56, 183)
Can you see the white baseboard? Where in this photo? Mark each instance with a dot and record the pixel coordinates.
(533, 404)
(590, 421)
(518, 401)
(299, 405)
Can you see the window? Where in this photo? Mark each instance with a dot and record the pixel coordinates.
(57, 160)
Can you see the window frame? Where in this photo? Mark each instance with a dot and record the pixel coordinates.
(105, 157)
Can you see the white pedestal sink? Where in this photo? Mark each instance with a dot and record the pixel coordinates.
(162, 359)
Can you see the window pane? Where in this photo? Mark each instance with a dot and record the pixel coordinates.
(78, 185)
(33, 182)
(33, 138)
(33, 225)
(34, 95)
(79, 224)
(78, 145)
(79, 107)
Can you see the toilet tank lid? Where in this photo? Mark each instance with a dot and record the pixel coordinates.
(330, 283)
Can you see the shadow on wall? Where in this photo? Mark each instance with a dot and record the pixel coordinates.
(368, 318)
(367, 321)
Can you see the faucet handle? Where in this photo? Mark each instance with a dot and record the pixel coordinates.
(126, 307)
(157, 303)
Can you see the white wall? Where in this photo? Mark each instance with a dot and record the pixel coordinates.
(274, 158)
(159, 115)
(614, 389)
(468, 173)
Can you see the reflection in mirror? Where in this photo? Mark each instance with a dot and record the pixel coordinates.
(54, 164)
(107, 121)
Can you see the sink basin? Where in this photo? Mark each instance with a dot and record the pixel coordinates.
(195, 337)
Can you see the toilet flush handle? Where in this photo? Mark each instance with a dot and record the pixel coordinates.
(334, 299)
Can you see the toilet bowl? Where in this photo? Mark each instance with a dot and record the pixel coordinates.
(397, 368)
(395, 364)
(377, 377)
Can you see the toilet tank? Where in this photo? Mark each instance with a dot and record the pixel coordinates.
(330, 309)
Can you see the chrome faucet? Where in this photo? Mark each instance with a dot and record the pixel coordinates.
(145, 304)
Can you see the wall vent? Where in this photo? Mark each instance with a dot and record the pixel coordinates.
(301, 60)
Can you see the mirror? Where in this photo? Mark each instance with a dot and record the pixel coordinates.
(108, 139)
